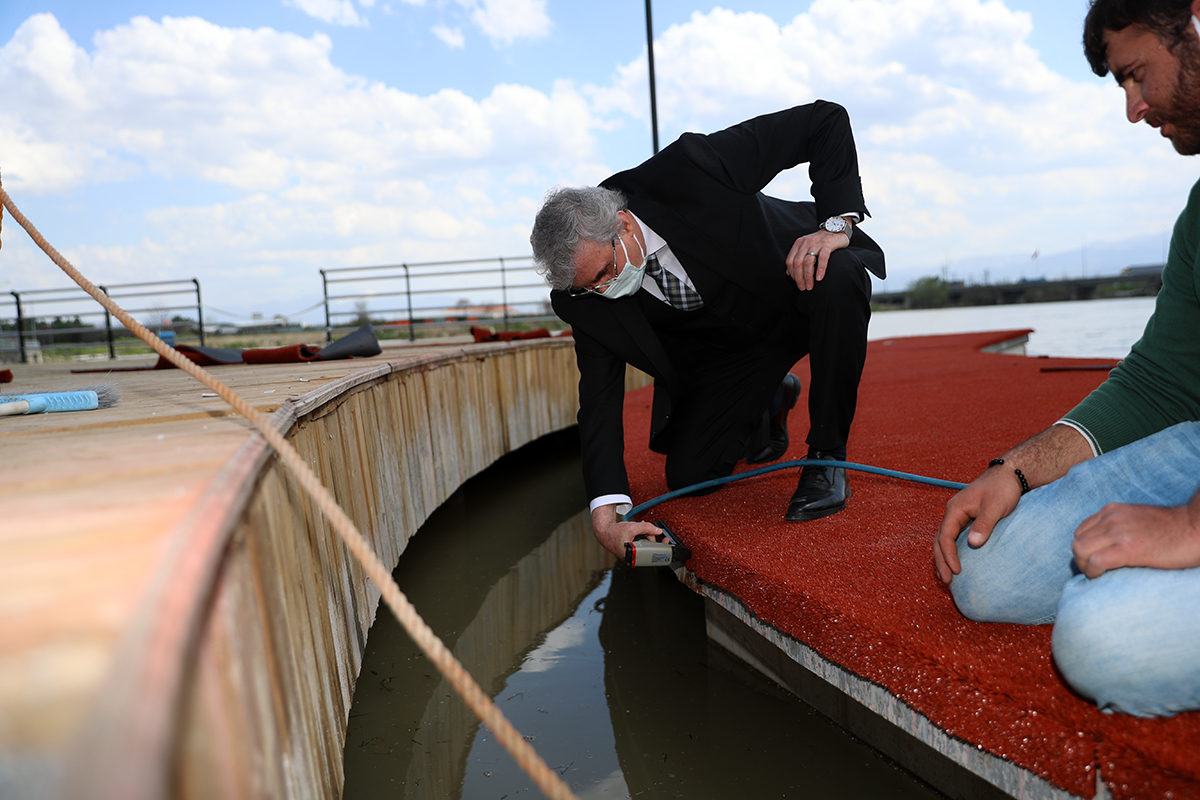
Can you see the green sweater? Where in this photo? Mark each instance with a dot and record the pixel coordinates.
(1158, 383)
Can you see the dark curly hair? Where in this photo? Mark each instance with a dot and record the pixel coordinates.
(1168, 19)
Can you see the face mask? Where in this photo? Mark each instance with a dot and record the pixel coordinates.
(629, 279)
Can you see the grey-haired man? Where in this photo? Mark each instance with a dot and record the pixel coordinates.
(682, 267)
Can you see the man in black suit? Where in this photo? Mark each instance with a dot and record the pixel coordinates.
(684, 268)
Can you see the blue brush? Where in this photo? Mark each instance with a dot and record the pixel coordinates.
(51, 402)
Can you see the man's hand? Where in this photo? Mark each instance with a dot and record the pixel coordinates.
(988, 499)
(1125, 535)
(613, 534)
(993, 495)
(809, 257)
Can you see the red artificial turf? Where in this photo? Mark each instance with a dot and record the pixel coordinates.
(859, 587)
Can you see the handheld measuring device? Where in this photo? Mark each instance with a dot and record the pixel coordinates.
(659, 551)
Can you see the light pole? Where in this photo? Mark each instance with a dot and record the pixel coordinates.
(650, 58)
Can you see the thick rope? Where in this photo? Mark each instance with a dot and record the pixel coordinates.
(522, 752)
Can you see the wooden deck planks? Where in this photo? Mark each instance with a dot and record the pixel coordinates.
(182, 608)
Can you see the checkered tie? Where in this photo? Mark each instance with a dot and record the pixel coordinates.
(678, 293)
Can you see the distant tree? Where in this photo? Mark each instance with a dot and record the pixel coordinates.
(74, 324)
(362, 318)
(60, 323)
(183, 325)
(928, 293)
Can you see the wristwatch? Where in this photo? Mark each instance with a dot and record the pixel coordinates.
(837, 225)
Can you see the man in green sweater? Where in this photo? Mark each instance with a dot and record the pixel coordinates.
(1094, 524)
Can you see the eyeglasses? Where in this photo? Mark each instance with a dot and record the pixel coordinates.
(580, 291)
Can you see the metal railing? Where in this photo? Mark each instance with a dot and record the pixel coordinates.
(39, 304)
(437, 294)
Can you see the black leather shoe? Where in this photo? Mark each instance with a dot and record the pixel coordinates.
(778, 444)
(822, 491)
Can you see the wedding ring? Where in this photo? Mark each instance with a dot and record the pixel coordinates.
(812, 253)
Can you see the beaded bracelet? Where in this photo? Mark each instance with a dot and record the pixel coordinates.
(995, 462)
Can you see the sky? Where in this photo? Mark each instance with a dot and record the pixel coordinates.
(251, 143)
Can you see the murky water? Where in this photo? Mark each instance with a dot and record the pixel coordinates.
(605, 669)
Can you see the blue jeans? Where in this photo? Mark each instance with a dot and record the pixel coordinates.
(1130, 639)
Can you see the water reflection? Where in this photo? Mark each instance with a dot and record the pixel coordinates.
(557, 701)
(607, 671)
(477, 572)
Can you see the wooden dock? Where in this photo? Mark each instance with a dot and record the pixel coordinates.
(175, 619)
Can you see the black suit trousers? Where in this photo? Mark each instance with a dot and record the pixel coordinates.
(727, 390)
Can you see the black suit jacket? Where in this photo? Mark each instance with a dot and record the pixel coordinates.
(703, 195)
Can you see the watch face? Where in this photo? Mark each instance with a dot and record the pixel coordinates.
(835, 225)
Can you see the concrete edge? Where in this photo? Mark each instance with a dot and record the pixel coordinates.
(865, 709)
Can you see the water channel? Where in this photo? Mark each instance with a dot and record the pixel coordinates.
(605, 669)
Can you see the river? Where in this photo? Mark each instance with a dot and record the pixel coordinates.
(1084, 329)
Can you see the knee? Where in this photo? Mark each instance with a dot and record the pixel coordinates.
(974, 593)
(683, 472)
(1119, 656)
(1091, 657)
(998, 585)
(976, 590)
(846, 278)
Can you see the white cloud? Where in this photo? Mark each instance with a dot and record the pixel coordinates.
(322, 168)
(56, 165)
(335, 12)
(253, 110)
(565, 637)
(505, 21)
(968, 143)
(451, 37)
(613, 785)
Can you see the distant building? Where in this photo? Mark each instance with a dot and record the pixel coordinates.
(1143, 271)
(10, 349)
(277, 324)
(487, 311)
(220, 329)
(1149, 273)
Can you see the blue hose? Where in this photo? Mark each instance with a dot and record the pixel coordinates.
(890, 473)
